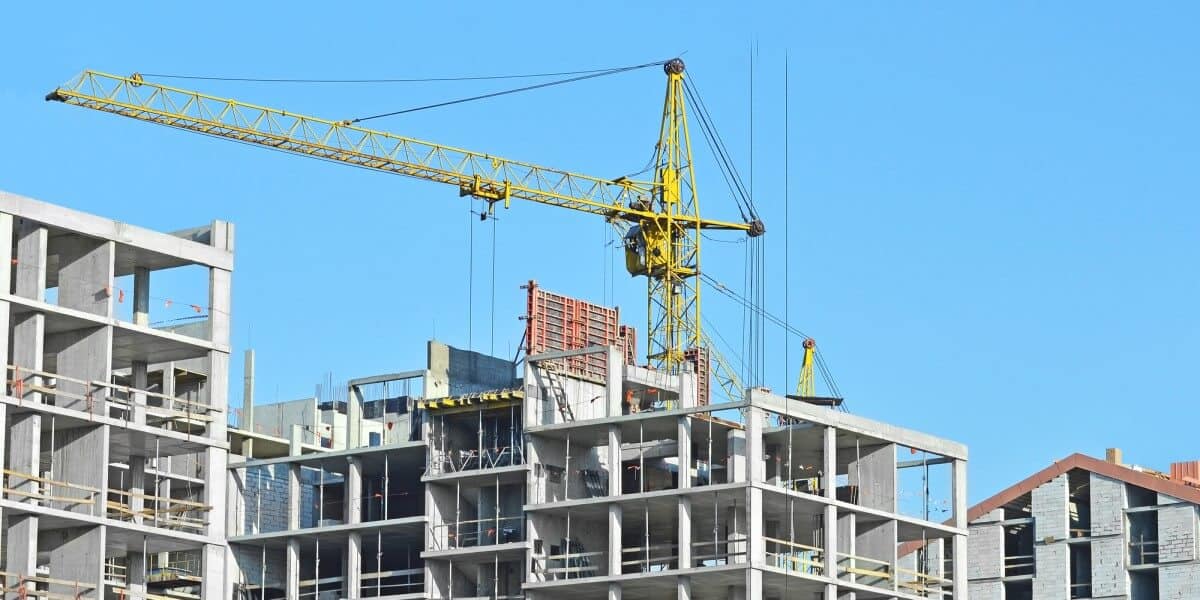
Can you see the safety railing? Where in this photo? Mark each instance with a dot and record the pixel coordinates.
(794, 557)
(923, 584)
(392, 583)
(650, 558)
(115, 571)
(455, 461)
(17, 585)
(1081, 590)
(177, 566)
(864, 570)
(479, 532)
(103, 398)
(1019, 564)
(570, 565)
(42, 491)
(1143, 552)
(717, 553)
(158, 511)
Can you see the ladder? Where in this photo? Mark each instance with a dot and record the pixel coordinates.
(555, 387)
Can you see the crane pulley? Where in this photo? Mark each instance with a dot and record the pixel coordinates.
(662, 241)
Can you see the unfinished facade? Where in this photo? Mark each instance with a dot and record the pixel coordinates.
(590, 477)
(1089, 528)
(116, 356)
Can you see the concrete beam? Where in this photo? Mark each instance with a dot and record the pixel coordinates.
(61, 217)
(856, 424)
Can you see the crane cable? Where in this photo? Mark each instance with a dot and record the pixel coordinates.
(383, 80)
(819, 360)
(510, 91)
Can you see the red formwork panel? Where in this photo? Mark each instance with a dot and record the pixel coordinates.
(699, 358)
(554, 322)
(627, 337)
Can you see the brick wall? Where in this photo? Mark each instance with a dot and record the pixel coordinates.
(1177, 533)
(1107, 505)
(985, 552)
(1179, 582)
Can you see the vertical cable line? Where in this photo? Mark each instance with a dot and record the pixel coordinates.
(470, 274)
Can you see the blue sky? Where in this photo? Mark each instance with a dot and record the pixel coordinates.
(993, 216)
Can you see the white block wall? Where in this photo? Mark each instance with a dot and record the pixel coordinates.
(1108, 568)
(1050, 516)
(1050, 521)
(985, 552)
(1107, 505)
(986, 590)
(1179, 582)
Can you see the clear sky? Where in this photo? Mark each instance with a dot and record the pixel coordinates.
(993, 216)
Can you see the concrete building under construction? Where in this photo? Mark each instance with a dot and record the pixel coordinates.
(572, 471)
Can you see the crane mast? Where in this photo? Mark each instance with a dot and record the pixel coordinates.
(662, 216)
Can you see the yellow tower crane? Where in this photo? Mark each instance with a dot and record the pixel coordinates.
(662, 216)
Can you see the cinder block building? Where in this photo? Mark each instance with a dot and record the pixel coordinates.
(1085, 528)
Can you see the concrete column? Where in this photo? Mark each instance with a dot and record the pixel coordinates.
(735, 462)
(353, 566)
(137, 487)
(293, 507)
(21, 539)
(736, 519)
(754, 586)
(614, 541)
(684, 451)
(135, 572)
(292, 575)
(216, 459)
(354, 418)
(614, 591)
(959, 544)
(247, 420)
(683, 588)
(614, 383)
(754, 526)
(77, 556)
(141, 296)
(830, 531)
(614, 460)
(830, 521)
(685, 532)
(755, 463)
(354, 492)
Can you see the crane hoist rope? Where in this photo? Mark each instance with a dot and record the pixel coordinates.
(660, 216)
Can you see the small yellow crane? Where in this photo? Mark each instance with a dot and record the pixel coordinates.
(662, 215)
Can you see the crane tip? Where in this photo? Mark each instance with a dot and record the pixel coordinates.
(54, 97)
(673, 66)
